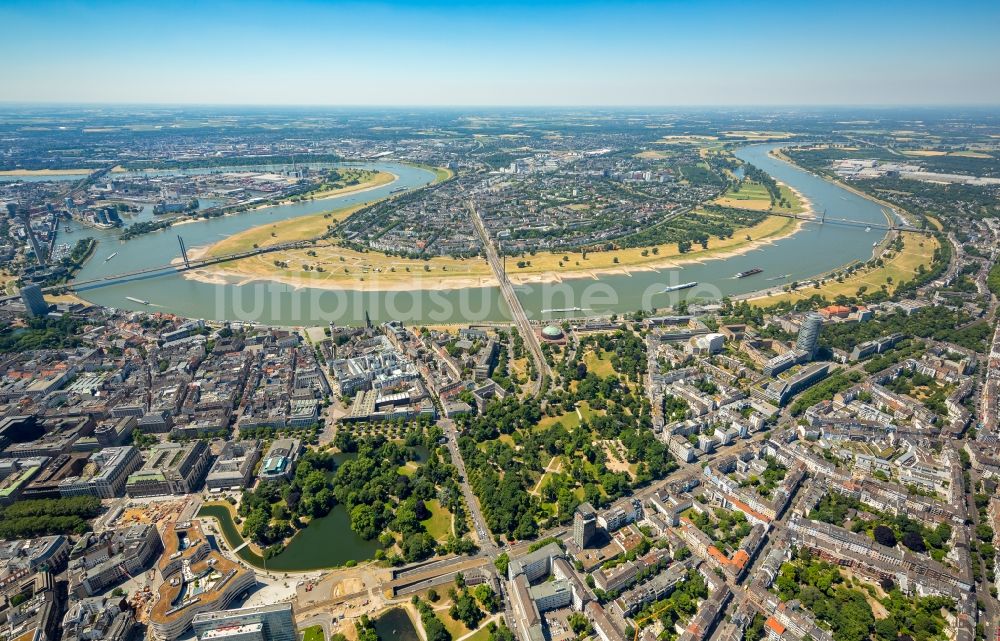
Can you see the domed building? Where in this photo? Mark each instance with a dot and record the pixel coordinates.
(552, 333)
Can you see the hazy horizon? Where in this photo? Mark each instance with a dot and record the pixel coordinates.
(511, 53)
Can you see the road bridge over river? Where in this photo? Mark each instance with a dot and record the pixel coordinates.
(171, 268)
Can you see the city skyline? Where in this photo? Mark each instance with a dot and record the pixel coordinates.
(501, 54)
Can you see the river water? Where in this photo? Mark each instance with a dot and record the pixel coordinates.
(815, 249)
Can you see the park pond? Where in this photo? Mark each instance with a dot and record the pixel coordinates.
(326, 542)
(396, 625)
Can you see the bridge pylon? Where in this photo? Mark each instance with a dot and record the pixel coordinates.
(184, 253)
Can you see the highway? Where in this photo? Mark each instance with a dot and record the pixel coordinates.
(510, 297)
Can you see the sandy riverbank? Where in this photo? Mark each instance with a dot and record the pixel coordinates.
(451, 274)
(381, 179)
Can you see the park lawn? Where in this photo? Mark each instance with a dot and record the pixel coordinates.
(569, 420)
(313, 633)
(749, 191)
(586, 412)
(503, 438)
(557, 468)
(519, 367)
(454, 626)
(408, 468)
(482, 634)
(599, 364)
(439, 523)
(902, 266)
(7, 281)
(756, 197)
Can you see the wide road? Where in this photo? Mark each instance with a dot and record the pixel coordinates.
(486, 542)
(507, 291)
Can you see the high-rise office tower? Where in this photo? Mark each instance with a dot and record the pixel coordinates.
(808, 339)
(34, 301)
(584, 524)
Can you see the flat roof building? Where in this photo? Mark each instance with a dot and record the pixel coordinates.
(280, 459)
(234, 467)
(265, 623)
(172, 468)
(105, 474)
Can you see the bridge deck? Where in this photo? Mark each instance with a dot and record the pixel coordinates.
(205, 262)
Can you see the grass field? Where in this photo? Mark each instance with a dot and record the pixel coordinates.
(285, 231)
(598, 363)
(927, 153)
(454, 626)
(633, 257)
(307, 227)
(441, 174)
(367, 180)
(482, 634)
(439, 523)
(313, 633)
(338, 267)
(408, 469)
(569, 420)
(917, 250)
(756, 196)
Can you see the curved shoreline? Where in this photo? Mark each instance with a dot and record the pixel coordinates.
(770, 292)
(344, 191)
(419, 281)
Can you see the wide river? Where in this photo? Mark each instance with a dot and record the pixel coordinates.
(814, 250)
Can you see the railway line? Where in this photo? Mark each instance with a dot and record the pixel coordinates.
(510, 297)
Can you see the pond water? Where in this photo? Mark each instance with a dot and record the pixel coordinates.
(395, 625)
(326, 542)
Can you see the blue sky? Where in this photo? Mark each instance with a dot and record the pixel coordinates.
(440, 52)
